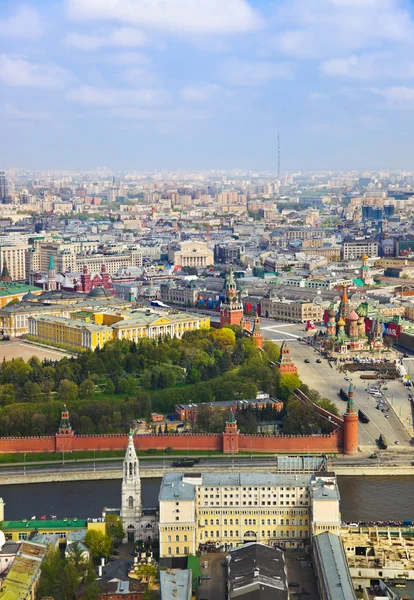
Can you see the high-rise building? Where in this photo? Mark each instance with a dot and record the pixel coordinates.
(3, 187)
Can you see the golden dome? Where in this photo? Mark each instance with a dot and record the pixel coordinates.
(365, 258)
(341, 322)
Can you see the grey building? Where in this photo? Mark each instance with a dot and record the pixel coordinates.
(257, 572)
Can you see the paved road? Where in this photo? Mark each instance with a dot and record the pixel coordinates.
(393, 456)
(328, 382)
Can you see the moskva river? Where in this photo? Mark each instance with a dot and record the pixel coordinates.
(362, 498)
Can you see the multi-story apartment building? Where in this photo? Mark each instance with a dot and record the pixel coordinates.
(179, 294)
(291, 310)
(113, 262)
(359, 248)
(14, 256)
(230, 509)
(227, 253)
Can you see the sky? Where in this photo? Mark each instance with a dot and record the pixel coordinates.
(207, 84)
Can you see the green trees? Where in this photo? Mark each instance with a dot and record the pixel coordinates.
(67, 391)
(114, 528)
(98, 543)
(60, 578)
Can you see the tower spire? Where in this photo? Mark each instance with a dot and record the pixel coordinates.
(131, 508)
(350, 407)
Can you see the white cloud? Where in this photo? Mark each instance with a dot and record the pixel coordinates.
(19, 72)
(253, 73)
(24, 22)
(92, 96)
(369, 66)
(127, 58)
(14, 113)
(187, 17)
(124, 37)
(397, 96)
(320, 28)
(139, 76)
(200, 93)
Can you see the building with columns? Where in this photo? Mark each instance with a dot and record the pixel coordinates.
(191, 254)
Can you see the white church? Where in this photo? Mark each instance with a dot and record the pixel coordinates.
(138, 523)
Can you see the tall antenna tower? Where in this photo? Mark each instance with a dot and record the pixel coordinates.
(278, 154)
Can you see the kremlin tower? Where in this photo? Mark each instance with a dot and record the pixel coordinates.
(231, 310)
(257, 336)
(350, 425)
(285, 363)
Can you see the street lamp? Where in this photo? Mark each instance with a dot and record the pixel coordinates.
(24, 464)
(94, 464)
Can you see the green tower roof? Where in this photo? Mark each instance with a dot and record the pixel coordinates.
(51, 262)
(231, 417)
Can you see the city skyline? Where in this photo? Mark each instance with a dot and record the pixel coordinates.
(128, 85)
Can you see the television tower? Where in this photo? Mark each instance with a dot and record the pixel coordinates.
(278, 154)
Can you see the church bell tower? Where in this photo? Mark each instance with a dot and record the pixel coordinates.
(131, 508)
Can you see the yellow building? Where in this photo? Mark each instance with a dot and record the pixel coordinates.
(14, 319)
(69, 332)
(231, 509)
(15, 292)
(89, 329)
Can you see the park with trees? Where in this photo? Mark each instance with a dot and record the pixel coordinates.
(107, 389)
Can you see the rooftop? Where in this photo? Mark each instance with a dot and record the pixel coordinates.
(176, 584)
(332, 559)
(47, 524)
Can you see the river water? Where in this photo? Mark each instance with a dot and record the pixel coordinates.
(362, 498)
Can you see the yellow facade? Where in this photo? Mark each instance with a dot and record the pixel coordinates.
(95, 329)
(233, 509)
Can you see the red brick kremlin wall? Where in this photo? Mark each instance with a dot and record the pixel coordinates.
(213, 442)
(68, 442)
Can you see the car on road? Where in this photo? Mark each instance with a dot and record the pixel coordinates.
(397, 442)
(373, 455)
(318, 360)
(293, 584)
(406, 355)
(387, 416)
(307, 360)
(206, 564)
(347, 378)
(205, 577)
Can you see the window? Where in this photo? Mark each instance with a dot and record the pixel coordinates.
(177, 538)
(185, 549)
(225, 533)
(185, 538)
(169, 538)
(130, 502)
(177, 550)
(130, 468)
(169, 550)
(225, 522)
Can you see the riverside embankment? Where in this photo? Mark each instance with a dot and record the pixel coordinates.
(89, 472)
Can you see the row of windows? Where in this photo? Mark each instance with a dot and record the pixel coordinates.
(250, 512)
(283, 513)
(177, 550)
(252, 534)
(253, 521)
(254, 489)
(177, 538)
(177, 528)
(256, 503)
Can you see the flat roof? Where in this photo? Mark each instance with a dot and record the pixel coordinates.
(47, 524)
